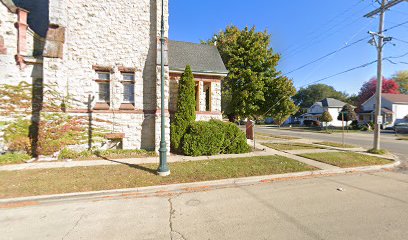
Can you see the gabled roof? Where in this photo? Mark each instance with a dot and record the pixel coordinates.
(201, 57)
(330, 102)
(396, 98)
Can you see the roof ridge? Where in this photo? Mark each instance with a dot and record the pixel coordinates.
(192, 43)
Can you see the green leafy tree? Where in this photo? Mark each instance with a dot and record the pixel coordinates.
(251, 63)
(347, 114)
(326, 118)
(186, 107)
(306, 97)
(401, 78)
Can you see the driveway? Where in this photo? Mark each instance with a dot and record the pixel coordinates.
(388, 141)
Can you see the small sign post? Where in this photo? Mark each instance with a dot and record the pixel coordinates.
(379, 120)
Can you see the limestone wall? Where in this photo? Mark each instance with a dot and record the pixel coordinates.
(115, 35)
(10, 72)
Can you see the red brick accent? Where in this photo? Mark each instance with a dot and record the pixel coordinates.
(127, 106)
(22, 26)
(202, 113)
(102, 68)
(127, 69)
(101, 106)
(3, 49)
(199, 78)
(115, 136)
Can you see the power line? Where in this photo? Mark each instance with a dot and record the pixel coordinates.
(311, 33)
(322, 79)
(400, 40)
(319, 39)
(395, 26)
(323, 35)
(343, 72)
(327, 55)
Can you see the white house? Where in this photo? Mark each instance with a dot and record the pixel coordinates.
(394, 107)
(331, 105)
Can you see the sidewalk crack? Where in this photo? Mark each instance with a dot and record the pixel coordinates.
(173, 232)
(75, 225)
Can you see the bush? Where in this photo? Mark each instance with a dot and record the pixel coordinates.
(354, 125)
(186, 107)
(214, 137)
(55, 131)
(10, 158)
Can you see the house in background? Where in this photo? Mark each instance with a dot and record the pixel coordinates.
(333, 106)
(394, 107)
(105, 55)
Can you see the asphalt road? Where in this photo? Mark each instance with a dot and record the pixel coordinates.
(388, 141)
(354, 206)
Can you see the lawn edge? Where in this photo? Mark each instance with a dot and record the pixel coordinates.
(186, 187)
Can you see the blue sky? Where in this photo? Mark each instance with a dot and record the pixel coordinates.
(301, 31)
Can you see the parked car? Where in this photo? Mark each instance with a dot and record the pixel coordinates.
(401, 127)
(311, 123)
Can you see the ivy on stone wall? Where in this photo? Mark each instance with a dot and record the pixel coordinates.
(40, 127)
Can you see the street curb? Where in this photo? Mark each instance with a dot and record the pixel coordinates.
(187, 187)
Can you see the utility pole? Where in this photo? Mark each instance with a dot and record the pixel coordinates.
(163, 168)
(379, 40)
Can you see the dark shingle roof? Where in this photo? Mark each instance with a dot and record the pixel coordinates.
(331, 102)
(202, 58)
(396, 98)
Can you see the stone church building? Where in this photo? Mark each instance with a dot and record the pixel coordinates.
(104, 57)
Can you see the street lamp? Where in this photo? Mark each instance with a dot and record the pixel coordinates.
(163, 169)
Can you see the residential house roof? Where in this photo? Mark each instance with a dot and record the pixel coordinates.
(201, 57)
(330, 102)
(383, 111)
(396, 98)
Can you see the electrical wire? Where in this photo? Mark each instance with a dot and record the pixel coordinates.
(317, 38)
(395, 26)
(327, 55)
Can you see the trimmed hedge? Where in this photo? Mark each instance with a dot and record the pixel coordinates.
(212, 138)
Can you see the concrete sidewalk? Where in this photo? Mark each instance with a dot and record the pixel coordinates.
(89, 163)
(261, 150)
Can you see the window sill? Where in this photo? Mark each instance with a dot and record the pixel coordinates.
(101, 106)
(115, 136)
(127, 106)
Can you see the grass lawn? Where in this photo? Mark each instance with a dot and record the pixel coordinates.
(104, 154)
(346, 159)
(13, 158)
(320, 130)
(333, 144)
(290, 146)
(80, 179)
(403, 138)
(265, 136)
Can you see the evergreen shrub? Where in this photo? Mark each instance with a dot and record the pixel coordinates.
(213, 137)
